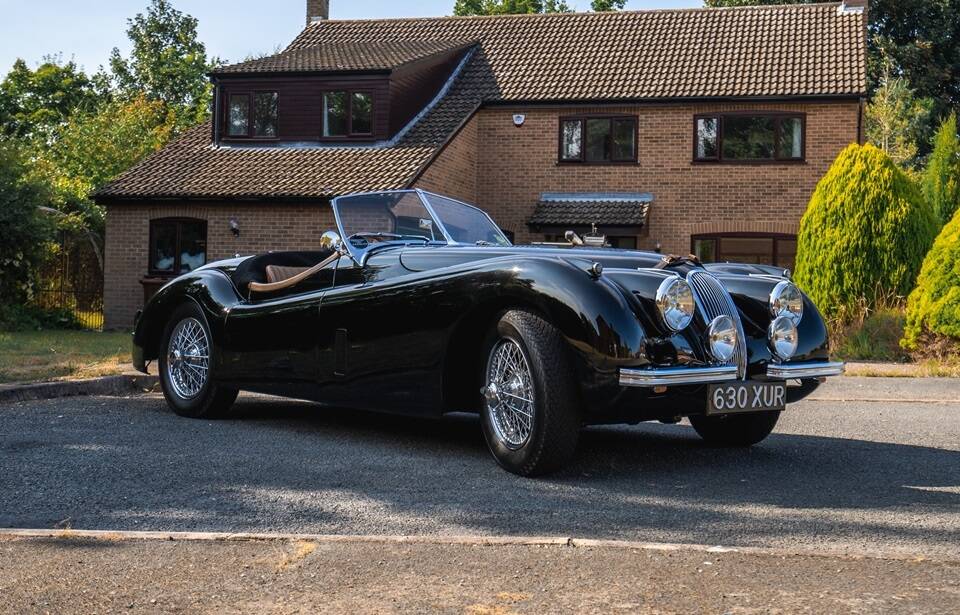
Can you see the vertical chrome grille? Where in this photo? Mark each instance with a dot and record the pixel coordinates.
(714, 300)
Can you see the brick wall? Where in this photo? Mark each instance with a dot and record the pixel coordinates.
(514, 165)
(263, 227)
(454, 171)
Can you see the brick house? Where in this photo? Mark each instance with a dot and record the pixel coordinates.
(702, 130)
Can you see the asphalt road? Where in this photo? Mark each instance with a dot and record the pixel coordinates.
(878, 476)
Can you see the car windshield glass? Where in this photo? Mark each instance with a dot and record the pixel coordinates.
(367, 219)
(411, 216)
(464, 223)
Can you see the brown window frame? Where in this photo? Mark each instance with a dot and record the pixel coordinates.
(583, 139)
(251, 110)
(777, 116)
(716, 237)
(151, 253)
(351, 135)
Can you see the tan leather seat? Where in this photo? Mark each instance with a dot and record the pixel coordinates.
(278, 273)
(285, 277)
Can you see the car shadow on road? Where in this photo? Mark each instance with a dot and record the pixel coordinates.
(669, 474)
(281, 465)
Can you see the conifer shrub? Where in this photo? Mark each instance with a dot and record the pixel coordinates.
(933, 308)
(864, 235)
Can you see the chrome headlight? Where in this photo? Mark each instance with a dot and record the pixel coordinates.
(786, 300)
(676, 303)
(783, 337)
(722, 338)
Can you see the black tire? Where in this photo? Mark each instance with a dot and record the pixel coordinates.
(552, 438)
(735, 430)
(211, 401)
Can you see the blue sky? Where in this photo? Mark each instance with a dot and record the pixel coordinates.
(87, 30)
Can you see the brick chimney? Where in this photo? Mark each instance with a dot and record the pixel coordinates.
(317, 10)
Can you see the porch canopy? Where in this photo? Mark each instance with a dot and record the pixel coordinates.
(613, 213)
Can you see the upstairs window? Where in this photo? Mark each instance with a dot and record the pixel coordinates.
(749, 137)
(177, 245)
(265, 114)
(347, 114)
(253, 115)
(598, 139)
(238, 121)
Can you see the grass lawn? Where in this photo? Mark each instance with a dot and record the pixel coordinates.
(36, 356)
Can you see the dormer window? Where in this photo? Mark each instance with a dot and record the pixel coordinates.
(253, 115)
(347, 114)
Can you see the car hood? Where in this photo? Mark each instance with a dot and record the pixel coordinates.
(424, 258)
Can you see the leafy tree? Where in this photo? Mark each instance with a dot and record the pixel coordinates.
(933, 309)
(896, 119)
(920, 38)
(26, 231)
(91, 151)
(864, 235)
(34, 103)
(608, 5)
(167, 63)
(509, 7)
(941, 178)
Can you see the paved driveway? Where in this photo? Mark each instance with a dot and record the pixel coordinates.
(839, 473)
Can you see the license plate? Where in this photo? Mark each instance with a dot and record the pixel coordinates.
(746, 397)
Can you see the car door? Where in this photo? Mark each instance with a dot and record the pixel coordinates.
(274, 337)
(377, 346)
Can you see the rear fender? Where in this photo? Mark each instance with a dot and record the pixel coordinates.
(210, 289)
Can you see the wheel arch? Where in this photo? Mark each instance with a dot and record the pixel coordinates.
(597, 325)
(211, 291)
(462, 359)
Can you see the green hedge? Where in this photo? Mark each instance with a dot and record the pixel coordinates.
(934, 305)
(864, 234)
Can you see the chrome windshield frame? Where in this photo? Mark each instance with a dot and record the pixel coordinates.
(359, 255)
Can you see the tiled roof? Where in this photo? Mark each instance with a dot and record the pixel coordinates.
(587, 209)
(343, 56)
(802, 49)
(794, 50)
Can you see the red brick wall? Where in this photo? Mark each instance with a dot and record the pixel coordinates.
(514, 165)
(454, 171)
(263, 227)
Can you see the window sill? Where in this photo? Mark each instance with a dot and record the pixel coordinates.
(748, 163)
(577, 163)
(249, 139)
(347, 139)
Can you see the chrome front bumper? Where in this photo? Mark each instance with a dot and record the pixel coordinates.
(791, 371)
(673, 376)
(667, 376)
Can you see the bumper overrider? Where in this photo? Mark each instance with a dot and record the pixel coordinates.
(674, 376)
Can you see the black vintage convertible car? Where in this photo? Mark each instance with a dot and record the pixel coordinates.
(419, 304)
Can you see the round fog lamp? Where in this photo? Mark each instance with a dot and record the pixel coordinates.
(783, 337)
(722, 338)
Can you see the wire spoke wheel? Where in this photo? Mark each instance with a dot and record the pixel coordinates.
(509, 394)
(188, 358)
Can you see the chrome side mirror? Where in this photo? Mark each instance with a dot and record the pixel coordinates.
(330, 240)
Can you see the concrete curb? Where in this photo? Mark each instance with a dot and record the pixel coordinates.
(472, 541)
(126, 384)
